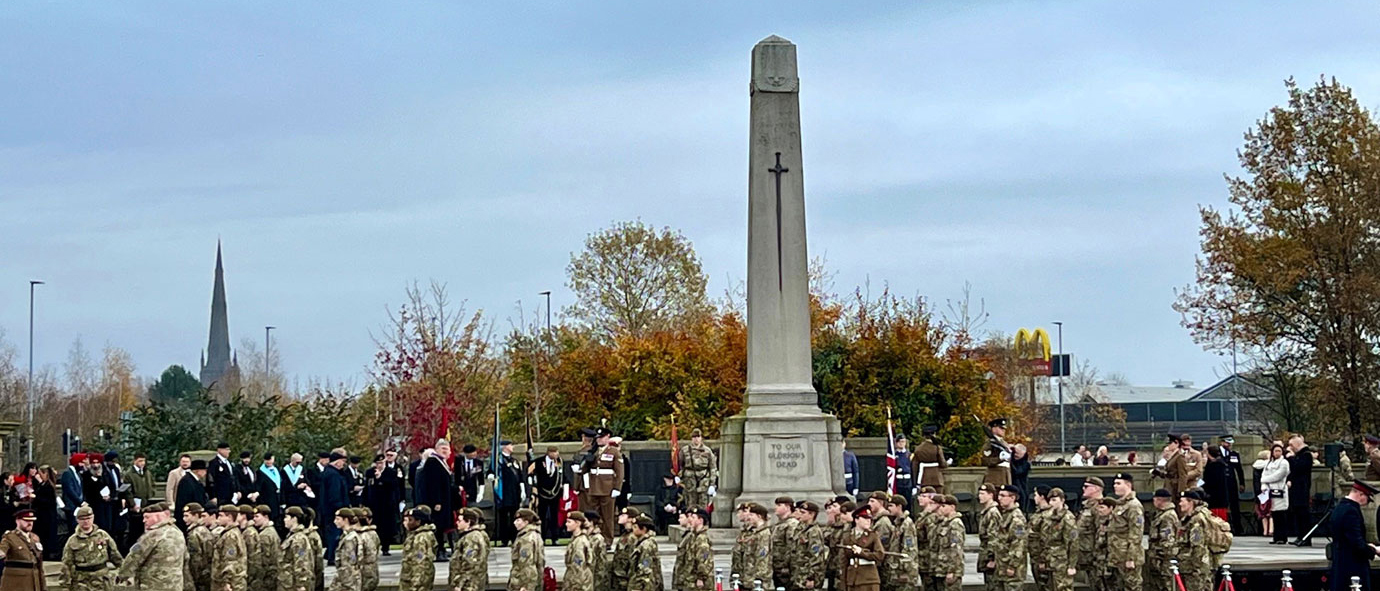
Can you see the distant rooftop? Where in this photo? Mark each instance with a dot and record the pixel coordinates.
(1179, 391)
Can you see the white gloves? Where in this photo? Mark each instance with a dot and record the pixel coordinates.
(1005, 456)
(401, 505)
(1161, 463)
(712, 489)
(914, 491)
(616, 493)
(949, 462)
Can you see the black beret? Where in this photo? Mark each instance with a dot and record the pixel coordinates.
(378, 457)
(1124, 476)
(246, 454)
(997, 423)
(356, 459)
(1163, 494)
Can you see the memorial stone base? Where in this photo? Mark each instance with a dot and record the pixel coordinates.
(792, 452)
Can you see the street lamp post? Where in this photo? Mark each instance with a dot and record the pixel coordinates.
(32, 284)
(536, 392)
(267, 344)
(1062, 370)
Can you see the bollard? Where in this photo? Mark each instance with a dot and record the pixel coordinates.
(757, 585)
(737, 582)
(1227, 585)
(1287, 582)
(718, 579)
(1355, 583)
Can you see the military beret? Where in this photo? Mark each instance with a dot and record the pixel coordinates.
(994, 423)
(528, 515)
(192, 508)
(356, 459)
(901, 437)
(1163, 493)
(809, 506)
(198, 465)
(1191, 494)
(84, 511)
(862, 513)
(473, 515)
(157, 508)
(295, 512)
(424, 509)
(212, 508)
(701, 513)
(573, 516)
(785, 501)
(927, 490)
(1108, 501)
(645, 522)
(345, 512)
(246, 509)
(951, 500)
(1055, 493)
(378, 457)
(847, 507)
(898, 500)
(1095, 481)
(880, 495)
(263, 510)
(1042, 490)
(365, 512)
(929, 429)
(631, 512)
(420, 514)
(246, 454)
(988, 487)
(1124, 476)
(697, 433)
(503, 442)
(1371, 439)
(757, 510)
(1010, 489)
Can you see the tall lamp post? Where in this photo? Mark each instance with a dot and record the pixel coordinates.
(537, 392)
(267, 344)
(1062, 370)
(32, 285)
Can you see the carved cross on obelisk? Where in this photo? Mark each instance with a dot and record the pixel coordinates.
(778, 170)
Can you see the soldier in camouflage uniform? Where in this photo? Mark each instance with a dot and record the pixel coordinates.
(88, 554)
(699, 473)
(229, 566)
(369, 551)
(244, 519)
(579, 564)
(200, 544)
(419, 553)
(317, 549)
(1195, 562)
(949, 531)
(646, 562)
(808, 553)
(899, 570)
(694, 568)
(881, 525)
(266, 550)
(469, 565)
(752, 552)
(928, 540)
(782, 532)
(1089, 564)
(347, 552)
(987, 518)
(598, 550)
(529, 559)
(1060, 541)
(1164, 541)
(621, 566)
(295, 562)
(1008, 541)
(1035, 541)
(157, 561)
(1101, 577)
(1126, 555)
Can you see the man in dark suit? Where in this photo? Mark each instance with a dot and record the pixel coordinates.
(548, 482)
(1238, 482)
(469, 474)
(73, 494)
(192, 489)
(313, 476)
(335, 495)
(508, 495)
(1300, 488)
(119, 493)
(271, 488)
(433, 489)
(221, 476)
(384, 493)
(356, 481)
(294, 482)
(247, 479)
(1351, 555)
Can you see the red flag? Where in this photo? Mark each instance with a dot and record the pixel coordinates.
(443, 431)
(675, 448)
(891, 457)
(569, 504)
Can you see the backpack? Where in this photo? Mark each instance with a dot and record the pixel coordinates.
(1218, 535)
(548, 579)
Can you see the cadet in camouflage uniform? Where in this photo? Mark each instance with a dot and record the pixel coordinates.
(1101, 577)
(579, 564)
(1035, 541)
(598, 550)
(1164, 541)
(295, 562)
(157, 561)
(317, 549)
(699, 473)
(988, 516)
(266, 551)
(808, 552)
(1126, 555)
(244, 520)
(1089, 564)
(899, 569)
(369, 551)
(752, 552)
(200, 545)
(229, 565)
(88, 554)
(529, 559)
(347, 552)
(929, 541)
(419, 553)
(881, 525)
(621, 566)
(782, 532)
(948, 528)
(1195, 562)
(1008, 541)
(469, 565)
(694, 568)
(1060, 541)
(646, 562)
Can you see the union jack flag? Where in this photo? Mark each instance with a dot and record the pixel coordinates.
(891, 457)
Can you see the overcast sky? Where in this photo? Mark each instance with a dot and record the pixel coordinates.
(1052, 154)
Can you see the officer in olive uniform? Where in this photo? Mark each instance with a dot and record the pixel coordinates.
(529, 559)
(752, 552)
(229, 564)
(419, 554)
(646, 562)
(699, 473)
(1008, 541)
(23, 555)
(295, 562)
(469, 565)
(808, 553)
(88, 555)
(997, 455)
(928, 462)
(605, 470)
(694, 568)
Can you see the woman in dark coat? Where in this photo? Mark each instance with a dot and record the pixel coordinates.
(46, 512)
(1217, 483)
(1020, 473)
(860, 553)
(433, 489)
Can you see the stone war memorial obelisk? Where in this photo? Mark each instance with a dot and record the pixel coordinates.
(782, 443)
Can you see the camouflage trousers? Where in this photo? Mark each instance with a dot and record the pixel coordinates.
(101, 580)
(1119, 577)
(1157, 578)
(369, 577)
(1197, 581)
(940, 584)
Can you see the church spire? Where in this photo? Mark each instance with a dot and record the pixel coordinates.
(218, 353)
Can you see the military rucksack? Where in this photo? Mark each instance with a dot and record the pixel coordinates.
(1218, 535)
